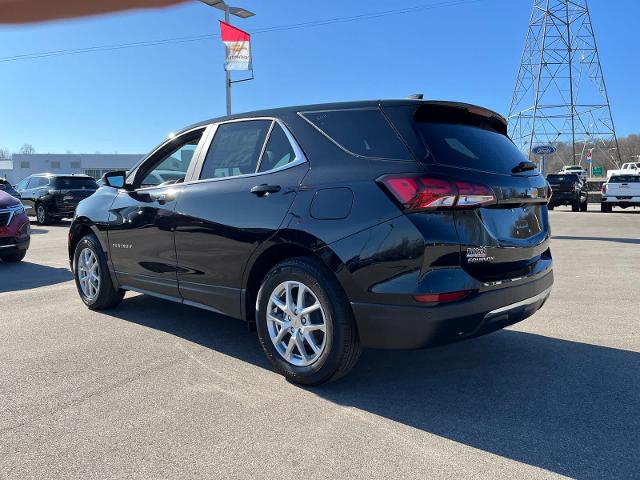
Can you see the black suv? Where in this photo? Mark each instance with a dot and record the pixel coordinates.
(385, 224)
(568, 189)
(54, 197)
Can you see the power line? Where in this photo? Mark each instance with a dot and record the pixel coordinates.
(195, 38)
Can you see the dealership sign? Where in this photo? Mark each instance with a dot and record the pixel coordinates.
(238, 45)
(544, 150)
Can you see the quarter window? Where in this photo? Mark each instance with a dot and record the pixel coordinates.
(364, 132)
(235, 149)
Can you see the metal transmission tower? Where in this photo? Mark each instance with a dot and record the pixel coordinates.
(560, 97)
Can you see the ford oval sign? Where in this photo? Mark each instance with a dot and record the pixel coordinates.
(544, 150)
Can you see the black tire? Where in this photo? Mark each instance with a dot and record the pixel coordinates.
(107, 296)
(575, 206)
(13, 257)
(605, 207)
(551, 206)
(42, 216)
(342, 347)
(584, 206)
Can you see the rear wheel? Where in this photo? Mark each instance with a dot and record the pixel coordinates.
(606, 207)
(551, 206)
(92, 277)
(13, 257)
(42, 216)
(305, 324)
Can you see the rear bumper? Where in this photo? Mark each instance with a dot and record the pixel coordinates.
(408, 327)
(622, 200)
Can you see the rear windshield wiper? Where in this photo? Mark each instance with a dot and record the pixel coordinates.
(524, 167)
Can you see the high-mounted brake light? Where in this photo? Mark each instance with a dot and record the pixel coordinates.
(427, 193)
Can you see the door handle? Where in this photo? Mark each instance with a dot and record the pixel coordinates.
(161, 198)
(264, 189)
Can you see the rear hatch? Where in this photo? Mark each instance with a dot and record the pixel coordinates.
(500, 209)
(69, 191)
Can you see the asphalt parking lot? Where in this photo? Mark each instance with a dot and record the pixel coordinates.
(154, 389)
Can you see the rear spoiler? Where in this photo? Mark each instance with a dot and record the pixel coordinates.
(462, 113)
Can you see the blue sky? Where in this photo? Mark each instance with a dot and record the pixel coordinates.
(128, 100)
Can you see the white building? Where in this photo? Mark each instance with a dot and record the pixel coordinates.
(94, 165)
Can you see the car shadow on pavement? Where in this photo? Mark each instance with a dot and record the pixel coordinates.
(26, 275)
(633, 241)
(567, 407)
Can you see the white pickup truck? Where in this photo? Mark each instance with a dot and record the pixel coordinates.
(631, 168)
(620, 191)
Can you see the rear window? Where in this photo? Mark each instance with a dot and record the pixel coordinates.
(470, 147)
(625, 179)
(562, 178)
(67, 183)
(363, 132)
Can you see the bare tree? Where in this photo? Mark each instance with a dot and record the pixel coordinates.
(27, 149)
(4, 154)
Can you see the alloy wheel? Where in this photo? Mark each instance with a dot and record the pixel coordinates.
(89, 274)
(42, 214)
(296, 323)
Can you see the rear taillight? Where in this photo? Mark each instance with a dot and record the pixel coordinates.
(417, 193)
(603, 189)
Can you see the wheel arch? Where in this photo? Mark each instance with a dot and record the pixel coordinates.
(286, 246)
(81, 227)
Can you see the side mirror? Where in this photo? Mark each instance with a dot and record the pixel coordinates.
(115, 179)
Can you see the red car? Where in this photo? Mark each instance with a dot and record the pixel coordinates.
(14, 229)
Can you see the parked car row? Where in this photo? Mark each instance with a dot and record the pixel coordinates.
(52, 197)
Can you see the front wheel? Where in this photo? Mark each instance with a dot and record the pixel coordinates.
(305, 324)
(92, 276)
(575, 206)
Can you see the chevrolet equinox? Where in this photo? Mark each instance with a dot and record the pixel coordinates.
(329, 228)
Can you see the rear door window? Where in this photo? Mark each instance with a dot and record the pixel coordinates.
(362, 132)
(235, 149)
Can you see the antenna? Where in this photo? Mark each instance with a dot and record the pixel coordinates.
(560, 97)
